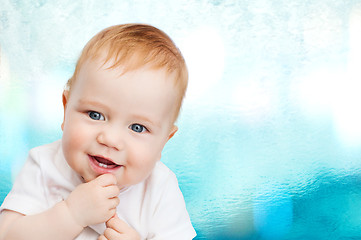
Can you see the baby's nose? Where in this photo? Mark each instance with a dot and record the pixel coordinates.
(111, 138)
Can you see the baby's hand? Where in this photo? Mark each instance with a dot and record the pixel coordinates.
(95, 201)
(118, 230)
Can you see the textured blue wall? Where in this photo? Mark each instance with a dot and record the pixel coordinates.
(269, 145)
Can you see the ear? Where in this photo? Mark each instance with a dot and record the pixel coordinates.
(65, 100)
(172, 132)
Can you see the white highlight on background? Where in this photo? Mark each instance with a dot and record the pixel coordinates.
(347, 110)
(47, 104)
(317, 91)
(4, 76)
(337, 93)
(203, 51)
(254, 100)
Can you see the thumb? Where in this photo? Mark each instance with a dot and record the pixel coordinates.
(110, 220)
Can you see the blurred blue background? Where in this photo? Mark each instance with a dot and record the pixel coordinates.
(269, 145)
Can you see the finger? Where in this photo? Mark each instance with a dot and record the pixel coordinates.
(110, 233)
(105, 180)
(102, 237)
(117, 224)
(112, 191)
(114, 216)
(110, 213)
(114, 202)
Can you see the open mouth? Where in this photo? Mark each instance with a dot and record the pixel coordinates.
(103, 162)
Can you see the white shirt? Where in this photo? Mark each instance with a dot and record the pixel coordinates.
(155, 208)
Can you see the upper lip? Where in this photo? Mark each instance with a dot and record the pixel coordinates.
(98, 157)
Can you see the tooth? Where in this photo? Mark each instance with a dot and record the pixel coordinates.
(103, 165)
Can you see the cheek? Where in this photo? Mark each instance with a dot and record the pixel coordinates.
(74, 138)
(144, 159)
(74, 132)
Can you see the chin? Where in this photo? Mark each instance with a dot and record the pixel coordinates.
(87, 178)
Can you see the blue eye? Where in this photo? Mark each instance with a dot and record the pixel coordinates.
(138, 128)
(96, 116)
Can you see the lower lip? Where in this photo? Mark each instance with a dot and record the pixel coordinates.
(100, 170)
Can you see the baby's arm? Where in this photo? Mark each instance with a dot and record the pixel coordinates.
(90, 203)
(118, 229)
(55, 223)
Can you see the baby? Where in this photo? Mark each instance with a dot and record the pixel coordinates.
(104, 178)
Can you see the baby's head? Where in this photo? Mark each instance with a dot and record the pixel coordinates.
(128, 47)
(121, 103)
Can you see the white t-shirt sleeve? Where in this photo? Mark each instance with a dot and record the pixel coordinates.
(171, 219)
(27, 195)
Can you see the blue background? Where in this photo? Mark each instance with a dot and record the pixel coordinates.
(269, 145)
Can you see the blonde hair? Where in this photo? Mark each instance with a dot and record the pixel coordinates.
(132, 46)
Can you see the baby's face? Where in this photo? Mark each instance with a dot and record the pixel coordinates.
(116, 123)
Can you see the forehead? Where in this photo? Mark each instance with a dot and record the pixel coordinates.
(102, 69)
(142, 83)
(102, 64)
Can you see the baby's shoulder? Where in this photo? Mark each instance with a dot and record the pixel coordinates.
(161, 178)
(161, 172)
(45, 152)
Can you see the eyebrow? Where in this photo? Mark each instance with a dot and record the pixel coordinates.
(93, 103)
(146, 119)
